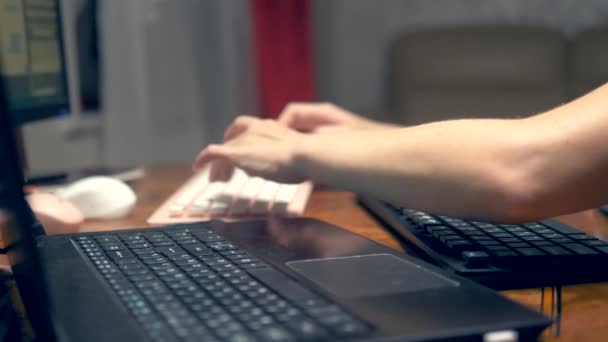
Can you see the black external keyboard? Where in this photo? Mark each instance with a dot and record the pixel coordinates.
(501, 256)
(191, 284)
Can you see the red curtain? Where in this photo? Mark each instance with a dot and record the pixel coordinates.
(283, 52)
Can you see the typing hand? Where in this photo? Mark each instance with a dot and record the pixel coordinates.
(322, 117)
(261, 148)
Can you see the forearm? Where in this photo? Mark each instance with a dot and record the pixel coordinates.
(501, 170)
(454, 168)
(365, 123)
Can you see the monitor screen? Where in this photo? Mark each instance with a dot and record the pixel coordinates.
(32, 60)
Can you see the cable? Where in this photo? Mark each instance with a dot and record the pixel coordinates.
(542, 299)
(553, 302)
(558, 318)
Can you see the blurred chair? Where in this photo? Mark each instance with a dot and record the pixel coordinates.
(477, 72)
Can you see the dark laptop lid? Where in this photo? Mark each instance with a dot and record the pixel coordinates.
(19, 227)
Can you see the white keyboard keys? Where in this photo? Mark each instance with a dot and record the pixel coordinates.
(218, 207)
(284, 196)
(204, 201)
(176, 210)
(213, 190)
(241, 197)
(187, 197)
(251, 189)
(234, 187)
(199, 183)
(198, 209)
(264, 198)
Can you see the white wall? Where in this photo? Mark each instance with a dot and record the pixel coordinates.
(352, 36)
(177, 72)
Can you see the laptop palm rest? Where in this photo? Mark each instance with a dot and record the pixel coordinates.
(369, 275)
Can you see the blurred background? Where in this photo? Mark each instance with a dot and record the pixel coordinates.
(153, 81)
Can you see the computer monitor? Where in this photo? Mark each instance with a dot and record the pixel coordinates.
(32, 62)
(19, 229)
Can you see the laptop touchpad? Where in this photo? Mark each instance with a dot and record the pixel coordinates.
(369, 275)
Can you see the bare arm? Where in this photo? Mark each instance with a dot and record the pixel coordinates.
(503, 170)
(509, 170)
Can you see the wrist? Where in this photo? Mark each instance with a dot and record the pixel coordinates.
(305, 157)
(372, 124)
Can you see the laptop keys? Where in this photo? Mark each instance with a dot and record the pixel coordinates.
(194, 285)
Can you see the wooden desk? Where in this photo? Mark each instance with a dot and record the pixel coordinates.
(584, 309)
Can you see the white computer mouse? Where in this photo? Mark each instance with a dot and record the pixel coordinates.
(100, 197)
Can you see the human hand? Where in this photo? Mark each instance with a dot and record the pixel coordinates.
(322, 117)
(261, 148)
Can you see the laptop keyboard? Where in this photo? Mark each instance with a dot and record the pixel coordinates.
(544, 253)
(191, 284)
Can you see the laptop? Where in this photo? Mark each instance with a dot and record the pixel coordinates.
(263, 280)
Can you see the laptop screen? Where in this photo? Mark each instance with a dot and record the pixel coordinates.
(18, 224)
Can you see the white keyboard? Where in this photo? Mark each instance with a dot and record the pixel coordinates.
(240, 197)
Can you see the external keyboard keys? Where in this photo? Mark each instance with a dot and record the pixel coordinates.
(497, 248)
(284, 196)
(542, 243)
(176, 210)
(603, 249)
(242, 196)
(190, 194)
(264, 198)
(595, 242)
(213, 190)
(234, 187)
(218, 208)
(580, 249)
(529, 251)
(518, 245)
(490, 242)
(561, 228)
(562, 240)
(459, 245)
(449, 237)
(199, 208)
(504, 255)
(580, 237)
(555, 250)
(248, 194)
